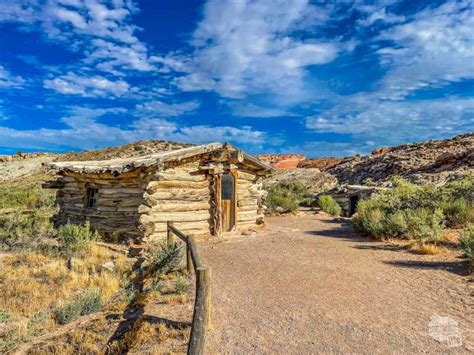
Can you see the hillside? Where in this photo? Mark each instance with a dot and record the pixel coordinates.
(124, 151)
(434, 162)
(29, 165)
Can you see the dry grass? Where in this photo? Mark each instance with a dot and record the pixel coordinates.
(427, 249)
(143, 335)
(33, 284)
(176, 299)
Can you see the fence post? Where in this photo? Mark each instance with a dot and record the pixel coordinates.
(202, 309)
(189, 259)
(169, 233)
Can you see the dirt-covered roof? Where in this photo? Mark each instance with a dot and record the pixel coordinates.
(122, 165)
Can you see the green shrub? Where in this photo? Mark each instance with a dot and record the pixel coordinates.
(25, 215)
(414, 211)
(288, 197)
(467, 243)
(424, 225)
(396, 225)
(5, 315)
(28, 197)
(369, 219)
(89, 302)
(329, 205)
(456, 212)
(158, 285)
(75, 238)
(20, 228)
(166, 257)
(181, 285)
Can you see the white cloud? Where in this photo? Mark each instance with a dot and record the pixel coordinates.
(84, 132)
(246, 47)
(99, 28)
(429, 50)
(434, 48)
(162, 109)
(382, 15)
(108, 56)
(395, 122)
(251, 110)
(8, 80)
(87, 86)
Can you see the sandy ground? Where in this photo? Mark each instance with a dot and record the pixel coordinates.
(308, 285)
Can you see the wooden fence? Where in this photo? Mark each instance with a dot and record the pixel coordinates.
(202, 303)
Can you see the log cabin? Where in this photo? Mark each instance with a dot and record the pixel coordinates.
(205, 190)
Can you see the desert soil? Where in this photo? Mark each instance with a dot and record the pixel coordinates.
(308, 284)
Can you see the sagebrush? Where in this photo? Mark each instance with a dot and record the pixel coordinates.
(329, 205)
(418, 212)
(467, 243)
(285, 197)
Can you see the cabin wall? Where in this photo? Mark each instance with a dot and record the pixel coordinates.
(117, 210)
(250, 200)
(179, 194)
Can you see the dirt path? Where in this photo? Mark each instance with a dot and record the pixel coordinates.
(309, 285)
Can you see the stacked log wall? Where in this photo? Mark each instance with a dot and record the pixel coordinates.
(250, 196)
(117, 208)
(181, 195)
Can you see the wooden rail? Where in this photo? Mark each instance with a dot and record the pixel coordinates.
(202, 303)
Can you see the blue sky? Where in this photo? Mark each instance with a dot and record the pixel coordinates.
(315, 77)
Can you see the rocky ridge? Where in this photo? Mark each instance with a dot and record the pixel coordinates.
(433, 162)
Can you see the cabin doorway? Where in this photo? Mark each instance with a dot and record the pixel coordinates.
(353, 204)
(228, 201)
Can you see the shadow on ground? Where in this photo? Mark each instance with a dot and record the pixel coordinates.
(458, 268)
(343, 233)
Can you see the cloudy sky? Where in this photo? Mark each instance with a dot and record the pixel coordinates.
(317, 77)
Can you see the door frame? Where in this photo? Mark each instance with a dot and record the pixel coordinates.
(218, 202)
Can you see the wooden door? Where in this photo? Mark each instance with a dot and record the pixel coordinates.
(228, 201)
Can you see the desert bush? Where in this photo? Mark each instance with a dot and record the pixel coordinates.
(76, 238)
(285, 196)
(158, 286)
(181, 285)
(456, 212)
(467, 243)
(19, 229)
(329, 205)
(24, 215)
(89, 302)
(396, 225)
(369, 218)
(414, 212)
(28, 197)
(424, 225)
(165, 258)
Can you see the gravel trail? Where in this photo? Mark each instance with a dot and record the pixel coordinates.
(309, 285)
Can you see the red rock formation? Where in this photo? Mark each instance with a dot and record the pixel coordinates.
(282, 161)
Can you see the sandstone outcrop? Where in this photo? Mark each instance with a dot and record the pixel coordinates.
(322, 164)
(434, 162)
(282, 161)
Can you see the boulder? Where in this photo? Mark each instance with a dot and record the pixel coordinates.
(445, 159)
(381, 150)
(5, 158)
